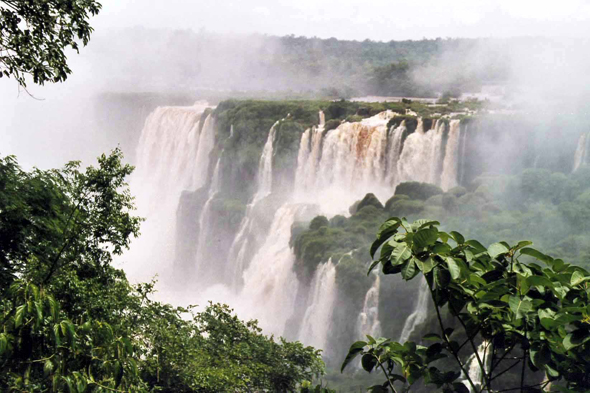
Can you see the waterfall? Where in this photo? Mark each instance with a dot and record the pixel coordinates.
(308, 158)
(265, 166)
(451, 161)
(172, 156)
(422, 154)
(205, 218)
(318, 316)
(270, 283)
(581, 155)
(322, 119)
(394, 151)
(462, 157)
(473, 367)
(420, 312)
(337, 167)
(368, 320)
(237, 251)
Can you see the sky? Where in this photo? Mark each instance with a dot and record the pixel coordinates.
(380, 20)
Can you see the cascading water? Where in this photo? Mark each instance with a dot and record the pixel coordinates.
(451, 162)
(337, 167)
(581, 155)
(237, 251)
(270, 284)
(368, 319)
(473, 367)
(420, 312)
(422, 154)
(318, 316)
(308, 158)
(206, 216)
(334, 169)
(174, 140)
(395, 138)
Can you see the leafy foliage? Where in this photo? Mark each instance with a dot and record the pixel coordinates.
(35, 34)
(72, 322)
(513, 306)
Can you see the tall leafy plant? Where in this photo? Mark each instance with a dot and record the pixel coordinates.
(508, 317)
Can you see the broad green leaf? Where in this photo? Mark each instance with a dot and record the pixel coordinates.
(519, 306)
(535, 254)
(400, 254)
(373, 264)
(409, 270)
(578, 278)
(540, 281)
(497, 249)
(387, 229)
(457, 237)
(477, 246)
(432, 337)
(368, 362)
(353, 352)
(454, 268)
(19, 315)
(576, 338)
(442, 249)
(425, 237)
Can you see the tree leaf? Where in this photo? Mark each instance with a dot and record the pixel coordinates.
(425, 237)
(454, 268)
(19, 315)
(368, 362)
(519, 306)
(400, 254)
(409, 270)
(535, 254)
(497, 249)
(477, 246)
(353, 352)
(457, 237)
(578, 278)
(387, 229)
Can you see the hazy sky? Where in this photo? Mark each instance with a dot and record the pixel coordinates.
(359, 20)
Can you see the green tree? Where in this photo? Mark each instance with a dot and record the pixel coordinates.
(520, 324)
(35, 34)
(70, 321)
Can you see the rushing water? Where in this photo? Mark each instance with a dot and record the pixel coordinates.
(368, 319)
(420, 313)
(318, 316)
(334, 169)
(581, 155)
(172, 156)
(270, 284)
(238, 249)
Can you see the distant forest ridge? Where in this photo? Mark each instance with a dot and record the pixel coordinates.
(168, 60)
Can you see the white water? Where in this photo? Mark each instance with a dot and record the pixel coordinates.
(451, 162)
(318, 316)
(238, 249)
(337, 167)
(334, 169)
(580, 157)
(368, 319)
(420, 312)
(421, 155)
(473, 368)
(270, 284)
(393, 154)
(206, 216)
(172, 156)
